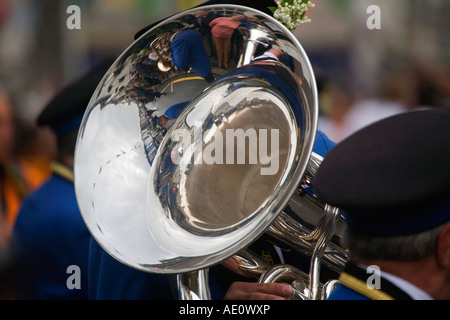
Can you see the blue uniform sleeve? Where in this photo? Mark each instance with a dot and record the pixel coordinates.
(322, 144)
(109, 279)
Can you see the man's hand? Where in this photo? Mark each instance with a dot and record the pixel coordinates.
(258, 291)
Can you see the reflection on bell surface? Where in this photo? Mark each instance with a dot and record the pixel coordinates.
(235, 154)
(154, 178)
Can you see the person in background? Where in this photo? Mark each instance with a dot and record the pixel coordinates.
(12, 187)
(132, 284)
(22, 168)
(392, 181)
(222, 29)
(50, 239)
(16, 179)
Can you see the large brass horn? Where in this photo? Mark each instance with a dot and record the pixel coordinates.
(175, 173)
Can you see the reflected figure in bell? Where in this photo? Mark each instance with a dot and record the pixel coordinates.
(172, 113)
(204, 19)
(188, 51)
(222, 29)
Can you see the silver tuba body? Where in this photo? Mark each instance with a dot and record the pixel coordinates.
(181, 164)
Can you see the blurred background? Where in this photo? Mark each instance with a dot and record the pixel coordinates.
(363, 74)
(405, 64)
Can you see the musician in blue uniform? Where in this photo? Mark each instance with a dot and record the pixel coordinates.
(50, 238)
(133, 284)
(130, 283)
(392, 181)
(187, 51)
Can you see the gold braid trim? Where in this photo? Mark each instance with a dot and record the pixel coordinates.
(62, 170)
(361, 287)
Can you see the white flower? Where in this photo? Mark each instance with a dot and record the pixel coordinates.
(292, 13)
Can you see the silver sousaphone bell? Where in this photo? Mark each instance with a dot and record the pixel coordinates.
(175, 173)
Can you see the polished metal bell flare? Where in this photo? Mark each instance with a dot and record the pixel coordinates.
(180, 163)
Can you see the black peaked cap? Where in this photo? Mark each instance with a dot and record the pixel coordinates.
(391, 177)
(63, 113)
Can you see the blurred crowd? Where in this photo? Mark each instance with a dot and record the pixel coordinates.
(26, 153)
(343, 111)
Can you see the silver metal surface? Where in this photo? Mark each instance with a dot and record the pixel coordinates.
(153, 200)
(194, 285)
(289, 274)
